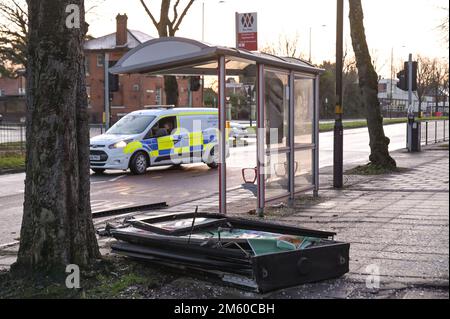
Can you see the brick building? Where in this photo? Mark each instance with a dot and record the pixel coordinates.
(12, 86)
(134, 91)
(12, 98)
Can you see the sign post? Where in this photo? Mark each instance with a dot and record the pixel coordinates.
(247, 31)
(338, 149)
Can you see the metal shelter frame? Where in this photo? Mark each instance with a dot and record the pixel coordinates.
(181, 56)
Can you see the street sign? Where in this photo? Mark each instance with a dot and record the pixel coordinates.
(247, 31)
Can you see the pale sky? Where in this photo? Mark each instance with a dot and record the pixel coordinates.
(407, 26)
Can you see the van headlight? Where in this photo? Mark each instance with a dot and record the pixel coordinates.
(121, 144)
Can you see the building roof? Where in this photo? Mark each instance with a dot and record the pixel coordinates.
(181, 56)
(108, 42)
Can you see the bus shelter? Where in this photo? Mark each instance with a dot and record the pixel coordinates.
(283, 94)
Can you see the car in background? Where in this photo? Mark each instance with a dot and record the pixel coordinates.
(1, 118)
(238, 131)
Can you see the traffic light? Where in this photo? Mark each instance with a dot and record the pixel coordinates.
(402, 80)
(113, 79)
(414, 76)
(113, 82)
(194, 83)
(403, 75)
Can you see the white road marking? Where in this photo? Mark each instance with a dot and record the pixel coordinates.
(117, 178)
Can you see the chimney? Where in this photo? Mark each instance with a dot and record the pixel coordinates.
(122, 30)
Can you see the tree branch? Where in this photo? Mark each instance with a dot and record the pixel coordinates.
(147, 10)
(175, 12)
(177, 25)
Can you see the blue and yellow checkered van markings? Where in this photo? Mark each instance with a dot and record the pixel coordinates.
(193, 142)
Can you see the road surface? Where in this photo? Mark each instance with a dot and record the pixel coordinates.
(175, 185)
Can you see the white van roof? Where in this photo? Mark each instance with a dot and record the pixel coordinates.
(174, 111)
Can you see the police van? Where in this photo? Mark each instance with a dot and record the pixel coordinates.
(156, 137)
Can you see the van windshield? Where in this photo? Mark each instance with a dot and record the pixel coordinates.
(131, 124)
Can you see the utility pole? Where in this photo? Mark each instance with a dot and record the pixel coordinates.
(392, 78)
(203, 40)
(203, 21)
(410, 84)
(107, 113)
(338, 127)
(310, 44)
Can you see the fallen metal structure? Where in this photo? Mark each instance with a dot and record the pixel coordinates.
(128, 210)
(256, 255)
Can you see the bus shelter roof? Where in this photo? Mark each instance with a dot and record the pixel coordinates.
(182, 56)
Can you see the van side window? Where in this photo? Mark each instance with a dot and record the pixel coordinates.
(163, 127)
(198, 123)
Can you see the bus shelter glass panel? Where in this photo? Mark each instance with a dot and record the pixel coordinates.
(303, 166)
(198, 136)
(276, 120)
(240, 99)
(303, 111)
(304, 106)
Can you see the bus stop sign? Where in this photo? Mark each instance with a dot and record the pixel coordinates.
(247, 31)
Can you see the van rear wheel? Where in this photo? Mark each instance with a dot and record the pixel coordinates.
(213, 160)
(138, 163)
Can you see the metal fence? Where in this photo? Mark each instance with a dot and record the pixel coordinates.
(433, 132)
(13, 137)
(96, 129)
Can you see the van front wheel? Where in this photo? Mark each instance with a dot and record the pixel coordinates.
(138, 163)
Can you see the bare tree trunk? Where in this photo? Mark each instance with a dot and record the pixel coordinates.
(167, 28)
(368, 82)
(170, 82)
(57, 227)
(171, 90)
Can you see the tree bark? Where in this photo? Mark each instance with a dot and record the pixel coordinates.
(368, 82)
(171, 90)
(57, 227)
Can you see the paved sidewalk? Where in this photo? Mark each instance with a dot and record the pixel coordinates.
(398, 227)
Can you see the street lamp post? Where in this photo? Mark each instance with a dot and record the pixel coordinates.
(391, 100)
(391, 81)
(310, 42)
(203, 21)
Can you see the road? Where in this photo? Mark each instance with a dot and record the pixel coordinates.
(175, 185)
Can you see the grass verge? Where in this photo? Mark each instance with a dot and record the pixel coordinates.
(12, 161)
(327, 127)
(111, 278)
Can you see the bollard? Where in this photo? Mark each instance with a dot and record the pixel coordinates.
(21, 138)
(435, 132)
(426, 133)
(444, 130)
